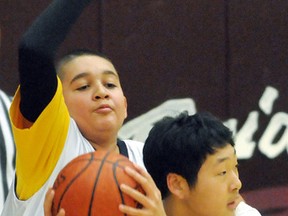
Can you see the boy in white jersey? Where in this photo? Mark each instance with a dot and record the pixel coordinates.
(55, 120)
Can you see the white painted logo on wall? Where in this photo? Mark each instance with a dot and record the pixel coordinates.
(139, 127)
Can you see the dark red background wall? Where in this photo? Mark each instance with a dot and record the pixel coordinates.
(222, 54)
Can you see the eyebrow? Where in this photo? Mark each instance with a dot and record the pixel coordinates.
(85, 74)
(221, 160)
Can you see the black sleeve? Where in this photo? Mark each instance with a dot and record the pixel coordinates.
(38, 80)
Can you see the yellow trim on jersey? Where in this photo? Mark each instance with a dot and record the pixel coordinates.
(39, 146)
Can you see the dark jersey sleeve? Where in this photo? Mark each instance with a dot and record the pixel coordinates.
(38, 80)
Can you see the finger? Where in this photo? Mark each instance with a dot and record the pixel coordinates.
(145, 180)
(142, 171)
(146, 175)
(151, 200)
(130, 210)
(48, 204)
(134, 194)
(61, 212)
(151, 206)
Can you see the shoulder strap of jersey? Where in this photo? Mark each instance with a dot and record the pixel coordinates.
(122, 147)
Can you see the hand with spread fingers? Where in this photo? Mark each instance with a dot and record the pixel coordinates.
(152, 202)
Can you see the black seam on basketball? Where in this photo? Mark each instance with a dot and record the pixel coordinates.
(116, 165)
(73, 179)
(96, 182)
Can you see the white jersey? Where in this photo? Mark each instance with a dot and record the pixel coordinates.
(7, 148)
(75, 145)
(245, 210)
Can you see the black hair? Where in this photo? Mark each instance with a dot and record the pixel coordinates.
(69, 56)
(181, 144)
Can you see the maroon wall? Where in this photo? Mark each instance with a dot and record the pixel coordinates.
(222, 54)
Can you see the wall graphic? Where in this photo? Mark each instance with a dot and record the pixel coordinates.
(139, 127)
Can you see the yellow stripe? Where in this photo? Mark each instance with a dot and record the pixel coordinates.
(39, 146)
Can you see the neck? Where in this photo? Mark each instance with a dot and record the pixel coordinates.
(173, 207)
(113, 147)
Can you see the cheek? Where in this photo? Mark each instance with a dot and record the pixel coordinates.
(125, 109)
(75, 105)
(209, 201)
(211, 187)
(214, 187)
(216, 198)
(211, 195)
(121, 103)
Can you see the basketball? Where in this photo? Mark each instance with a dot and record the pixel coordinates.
(90, 185)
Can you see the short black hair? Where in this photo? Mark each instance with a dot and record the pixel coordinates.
(72, 54)
(181, 144)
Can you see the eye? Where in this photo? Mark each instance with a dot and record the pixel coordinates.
(110, 85)
(82, 88)
(222, 173)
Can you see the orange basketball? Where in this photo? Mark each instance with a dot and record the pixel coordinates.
(89, 185)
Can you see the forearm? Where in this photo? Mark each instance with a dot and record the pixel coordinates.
(36, 54)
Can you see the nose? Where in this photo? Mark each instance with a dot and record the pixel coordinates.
(236, 184)
(100, 92)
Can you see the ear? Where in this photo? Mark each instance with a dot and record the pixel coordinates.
(177, 185)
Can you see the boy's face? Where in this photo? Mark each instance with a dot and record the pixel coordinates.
(217, 188)
(94, 96)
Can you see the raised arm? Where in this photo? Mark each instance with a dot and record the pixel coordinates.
(39, 148)
(38, 81)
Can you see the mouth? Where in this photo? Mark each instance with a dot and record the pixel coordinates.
(103, 109)
(232, 205)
